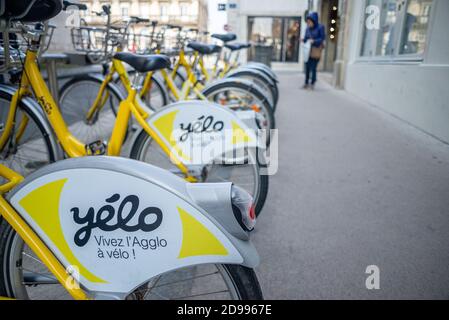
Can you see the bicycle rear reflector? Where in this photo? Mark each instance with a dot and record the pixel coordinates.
(243, 208)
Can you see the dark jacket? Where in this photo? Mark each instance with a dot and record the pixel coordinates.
(317, 33)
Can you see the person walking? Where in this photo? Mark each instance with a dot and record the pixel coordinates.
(316, 35)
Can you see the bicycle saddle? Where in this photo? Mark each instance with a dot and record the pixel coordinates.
(237, 46)
(204, 48)
(225, 37)
(30, 11)
(144, 63)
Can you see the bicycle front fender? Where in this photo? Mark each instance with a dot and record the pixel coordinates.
(115, 223)
(201, 132)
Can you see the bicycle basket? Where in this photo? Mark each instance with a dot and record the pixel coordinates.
(140, 43)
(12, 51)
(46, 38)
(99, 43)
(13, 45)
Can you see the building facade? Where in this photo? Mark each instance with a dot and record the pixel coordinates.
(273, 23)
(395, 55)
(282, 24)
(185, 13)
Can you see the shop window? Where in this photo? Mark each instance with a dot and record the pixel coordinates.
(184, 9)
(395, 27)
(281, 33)
(164, 11)
(124, 11)
(414, 36)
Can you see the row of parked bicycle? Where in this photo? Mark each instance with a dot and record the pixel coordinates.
(175, 223)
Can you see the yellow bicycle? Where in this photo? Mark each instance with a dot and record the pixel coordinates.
(226, 64)
(34, 135)
(53, 246)
(93, 92)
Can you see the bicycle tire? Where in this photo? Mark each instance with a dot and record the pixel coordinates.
(246, 86)
(48, 139)
(261, 77)
(144, 141)
(243, 279)
(267, 71)
(74, 90)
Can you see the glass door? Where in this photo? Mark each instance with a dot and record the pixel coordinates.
(267, 31)
(292, 39)
(283, 34)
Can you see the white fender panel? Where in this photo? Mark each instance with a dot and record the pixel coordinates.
(118, 230)
(199, 132)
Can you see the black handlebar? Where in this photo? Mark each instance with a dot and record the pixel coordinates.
(139, 20)
(107, 9)
(172, 26)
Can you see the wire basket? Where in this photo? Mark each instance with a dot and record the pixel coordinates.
(141, 43)
(97, 42)
(46, 38)
(13, 44)
(12, 50)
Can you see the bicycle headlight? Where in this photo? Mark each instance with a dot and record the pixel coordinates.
(243, 208)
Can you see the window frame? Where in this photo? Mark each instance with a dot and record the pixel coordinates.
(399, 32)
(184, 5)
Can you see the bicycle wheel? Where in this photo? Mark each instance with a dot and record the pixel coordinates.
(35, 147)
(247, 175)
(239, 94)
(267, 69)
(76, 98)
(261, 80)
(24, 276)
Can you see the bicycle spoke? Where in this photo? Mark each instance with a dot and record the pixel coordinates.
(200, 295)
(185, 280)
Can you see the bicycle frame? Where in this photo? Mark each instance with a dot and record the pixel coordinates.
(191, 84)
(116, 67)
(32, 81)
(228, 66)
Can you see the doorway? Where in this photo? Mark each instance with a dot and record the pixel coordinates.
(282, 33)
(329, 18)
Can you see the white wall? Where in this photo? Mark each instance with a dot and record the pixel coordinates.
(217, 19)
(417, 92)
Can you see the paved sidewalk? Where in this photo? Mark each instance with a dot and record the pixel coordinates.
(355, 187)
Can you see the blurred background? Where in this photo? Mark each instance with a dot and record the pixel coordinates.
(392, 53)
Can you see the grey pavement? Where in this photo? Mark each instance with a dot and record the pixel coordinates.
(355, 187)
